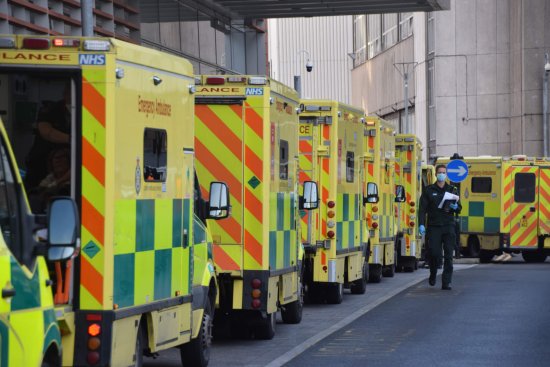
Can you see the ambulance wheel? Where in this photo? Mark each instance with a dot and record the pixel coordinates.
(485, 256)
(474, 249)
(266, 330)
(292, 312)
(533, 256)
(335, 293)
(359, 286)
(197, 351)
(388, 271)
(140, 345)
(375, 273)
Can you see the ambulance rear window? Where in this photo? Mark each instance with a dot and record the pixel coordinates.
(283, 160)
(154, 155)
(350, 166)
(482, 185)
(524, 187)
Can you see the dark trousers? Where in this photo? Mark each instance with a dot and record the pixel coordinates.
(441, 244)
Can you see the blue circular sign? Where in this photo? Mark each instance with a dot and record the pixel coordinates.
(457, 170)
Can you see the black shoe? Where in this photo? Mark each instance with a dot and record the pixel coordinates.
(446, 287)
(431, 281)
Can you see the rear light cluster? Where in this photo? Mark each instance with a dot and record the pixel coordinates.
(331, 223)
(256, 292)
(374, 224)
(94, 339)
(412, 217)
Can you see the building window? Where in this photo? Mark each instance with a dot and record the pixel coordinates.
(374, 34)
(524, 187)
(389, 30)
(481, 185)
(154, 155)
(350, 168)
(405, 25)
(359, 39)
(431, 33)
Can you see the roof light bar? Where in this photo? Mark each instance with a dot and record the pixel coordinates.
(36, 43)
(64, 42)
(7, 42)
(215, 80)
(256, 80)
(236, 79)
(97, 45)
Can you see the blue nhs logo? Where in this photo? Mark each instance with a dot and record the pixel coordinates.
(254, 91)
(91, 59)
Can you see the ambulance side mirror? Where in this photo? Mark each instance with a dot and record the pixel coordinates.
(372, 194)
(63, 229)
(310, 199)
(218, 203)
(399, 194)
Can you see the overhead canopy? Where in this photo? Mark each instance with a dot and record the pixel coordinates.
(250, 9)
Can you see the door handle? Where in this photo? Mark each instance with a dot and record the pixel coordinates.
(8, 292)
(532, 209)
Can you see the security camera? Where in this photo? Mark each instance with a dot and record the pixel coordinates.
(309, 66)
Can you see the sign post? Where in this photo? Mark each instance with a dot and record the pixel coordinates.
(457, 170)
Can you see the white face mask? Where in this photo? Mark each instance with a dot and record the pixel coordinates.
(441, 177)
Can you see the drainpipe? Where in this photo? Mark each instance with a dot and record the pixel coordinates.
(545, 104)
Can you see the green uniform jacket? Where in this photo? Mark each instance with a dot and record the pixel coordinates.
(429, 202)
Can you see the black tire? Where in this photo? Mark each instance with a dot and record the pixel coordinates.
(533, 256)
(359, 286)
(375, 273)
(474, 247)
(485, 256)
(335, 293)
(266, 329)
(140, 345)
(292, 312)
(196, 353)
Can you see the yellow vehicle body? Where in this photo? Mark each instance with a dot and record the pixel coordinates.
(408, 171)
(144, 276)
(379, 168)
(29, 333)
(246, 135)
(332, 154)
(504, 207)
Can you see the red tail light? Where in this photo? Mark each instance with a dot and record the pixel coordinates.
(331, 204)
(256, 303)
(374, 225)
(330, 234)
(256, 283)
(411, 224)
(93, 358)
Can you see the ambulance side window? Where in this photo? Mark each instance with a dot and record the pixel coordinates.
(481, 185)
(8, 206)
(283, 160)
(350, 168)
(154, 155)
(524, 187)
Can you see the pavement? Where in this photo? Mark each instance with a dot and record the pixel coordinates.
(319, 321)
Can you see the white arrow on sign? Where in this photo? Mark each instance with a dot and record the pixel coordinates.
(461, 171)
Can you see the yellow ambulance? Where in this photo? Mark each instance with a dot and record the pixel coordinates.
(247, 136)
(110, 124)
(29, 333)
(332, 154)
(504, 207)
(381, 225)
(408, 171)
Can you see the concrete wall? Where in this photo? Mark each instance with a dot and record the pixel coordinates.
(489, 64)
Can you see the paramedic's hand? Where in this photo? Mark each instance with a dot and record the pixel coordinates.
(422, 230)
(454, 206)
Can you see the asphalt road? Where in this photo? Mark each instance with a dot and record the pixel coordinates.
(319, 321)
(496, 315)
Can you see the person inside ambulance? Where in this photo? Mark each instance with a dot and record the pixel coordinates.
(53, 129)
(441, 225)
(56, 183)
